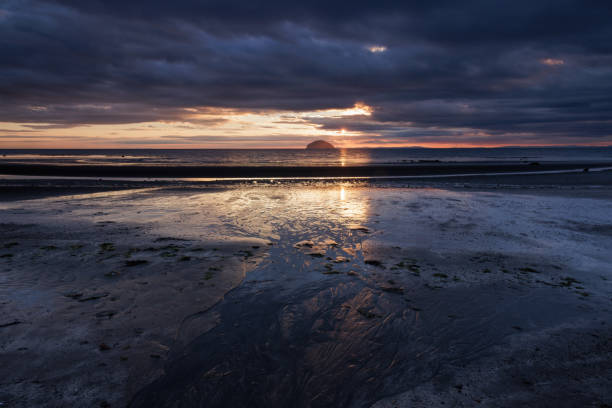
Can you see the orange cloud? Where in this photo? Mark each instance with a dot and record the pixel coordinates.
(552, 61)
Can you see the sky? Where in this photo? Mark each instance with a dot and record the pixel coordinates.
(249, 74)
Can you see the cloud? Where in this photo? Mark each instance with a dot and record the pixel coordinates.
(484, 67)
(552, 61)
(377, 48)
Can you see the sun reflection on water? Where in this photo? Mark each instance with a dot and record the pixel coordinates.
(264, 211)
(342, 157)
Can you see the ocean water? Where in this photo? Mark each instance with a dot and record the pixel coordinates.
(302, 157)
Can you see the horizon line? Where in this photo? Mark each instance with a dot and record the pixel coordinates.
(303, 148)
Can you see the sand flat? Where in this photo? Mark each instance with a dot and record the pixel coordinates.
(164, 294)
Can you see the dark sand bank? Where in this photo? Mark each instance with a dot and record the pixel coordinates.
(418, 169)
(561, 179)
(592, 184)
(36, 191)
(306, 294)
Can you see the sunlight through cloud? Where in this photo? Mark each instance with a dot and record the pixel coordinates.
(552, 61)
(377, 48)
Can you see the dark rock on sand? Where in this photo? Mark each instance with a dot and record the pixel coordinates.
(136, 262)
(373, 262)
(12, 323)
(106, 314)
(104, 347)
(93, 296)
(392, 289)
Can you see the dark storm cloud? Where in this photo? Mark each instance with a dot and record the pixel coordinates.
(527, 68)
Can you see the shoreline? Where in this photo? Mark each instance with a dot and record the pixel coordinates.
(416, 170)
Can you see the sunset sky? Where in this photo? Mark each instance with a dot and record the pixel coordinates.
(245, 74)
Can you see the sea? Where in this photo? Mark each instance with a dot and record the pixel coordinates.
(303, 157)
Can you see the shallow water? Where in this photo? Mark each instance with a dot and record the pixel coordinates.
(294, 335)
(306, 340)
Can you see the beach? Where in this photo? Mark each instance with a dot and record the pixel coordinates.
(372, 204)
(358, 293)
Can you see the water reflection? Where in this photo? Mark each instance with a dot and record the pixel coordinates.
(342, 157)
(317, 325)
(307, 329)
(263, 211)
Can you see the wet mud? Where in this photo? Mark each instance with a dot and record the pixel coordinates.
(306, 338)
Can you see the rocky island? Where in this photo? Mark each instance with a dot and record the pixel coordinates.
(319, 144)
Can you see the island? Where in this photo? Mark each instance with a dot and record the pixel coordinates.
(319, 144)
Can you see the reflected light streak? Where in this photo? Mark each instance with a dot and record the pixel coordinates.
(340, 205)
(342, 157)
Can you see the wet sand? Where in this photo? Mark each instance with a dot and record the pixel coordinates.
(414, 169)
(306, 294)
